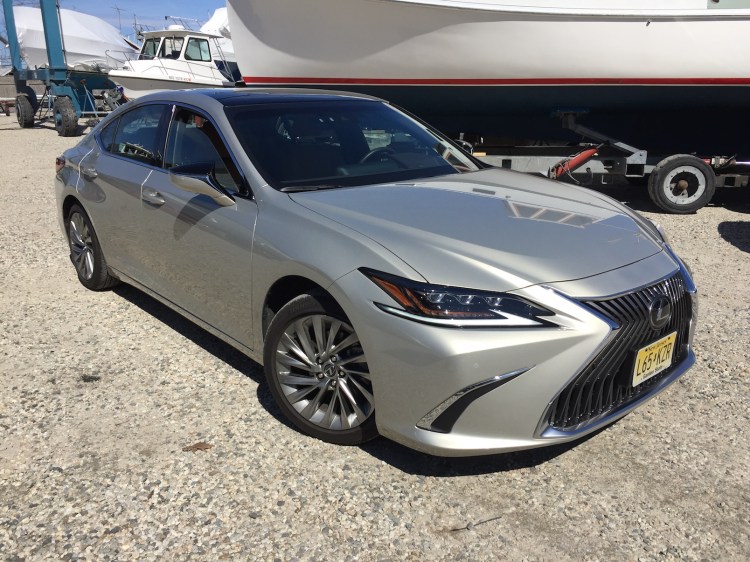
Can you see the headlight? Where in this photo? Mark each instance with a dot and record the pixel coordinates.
(457, 307)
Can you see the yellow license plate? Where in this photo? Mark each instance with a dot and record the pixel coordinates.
(653, 359)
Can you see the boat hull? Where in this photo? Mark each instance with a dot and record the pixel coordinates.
(474, 69)
(134, 86)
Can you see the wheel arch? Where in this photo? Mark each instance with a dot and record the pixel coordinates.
(283, 291)
(314, 333)
(68, 203)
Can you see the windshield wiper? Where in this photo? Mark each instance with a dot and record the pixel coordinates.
(301, 188)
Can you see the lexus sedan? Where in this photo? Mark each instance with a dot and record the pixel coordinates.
(388, 282)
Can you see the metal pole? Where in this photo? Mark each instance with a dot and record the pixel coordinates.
(53, 39)
(10, 24)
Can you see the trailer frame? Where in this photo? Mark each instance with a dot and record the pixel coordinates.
(677, 183)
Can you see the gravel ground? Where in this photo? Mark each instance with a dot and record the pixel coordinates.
(102, 393)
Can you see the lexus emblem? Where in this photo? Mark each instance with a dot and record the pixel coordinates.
(659, 312)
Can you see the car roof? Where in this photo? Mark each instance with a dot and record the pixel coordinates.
(246, 96)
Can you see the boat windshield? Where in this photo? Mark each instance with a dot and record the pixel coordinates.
(323, 145)
(170, 48)
(149, 48)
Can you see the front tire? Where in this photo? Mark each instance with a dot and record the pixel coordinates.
(86, 253)
(317, 371)
(681, 184)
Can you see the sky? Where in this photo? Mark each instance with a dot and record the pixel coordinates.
(147, 12)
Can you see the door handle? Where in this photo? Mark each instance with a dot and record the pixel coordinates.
(152, 196)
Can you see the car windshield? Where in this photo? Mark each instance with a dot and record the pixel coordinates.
(317, 145)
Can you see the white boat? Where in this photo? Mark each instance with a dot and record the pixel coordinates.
(86, 38)
(468, 64)
(171, 59)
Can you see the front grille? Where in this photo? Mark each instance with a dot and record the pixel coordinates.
(605, 384)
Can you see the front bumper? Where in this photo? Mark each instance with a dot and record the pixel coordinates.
(460, 392)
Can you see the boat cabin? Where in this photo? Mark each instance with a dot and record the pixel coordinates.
(177, 44)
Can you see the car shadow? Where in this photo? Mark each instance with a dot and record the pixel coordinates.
(400, 457)
(207, 341)
(736, 233)
(218, 348)
(733, 198)
(421, 464)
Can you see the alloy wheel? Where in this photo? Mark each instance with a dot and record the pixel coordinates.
(81, 246)
(323, 373)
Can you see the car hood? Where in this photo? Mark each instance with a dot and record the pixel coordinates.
(493, 229)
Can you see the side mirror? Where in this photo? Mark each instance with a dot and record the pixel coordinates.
(198, 178)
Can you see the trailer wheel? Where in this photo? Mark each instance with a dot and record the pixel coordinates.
(681, 184)
(24, 111)
(66, 119)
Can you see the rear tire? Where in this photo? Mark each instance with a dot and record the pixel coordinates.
(86, 253)
(682, 184)
(24, 112)
(317, 371)
(66, 119)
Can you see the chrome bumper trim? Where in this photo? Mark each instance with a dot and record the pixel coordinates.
(442, 418)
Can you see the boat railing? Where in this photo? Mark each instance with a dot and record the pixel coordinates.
(225, 72)
(117, 59)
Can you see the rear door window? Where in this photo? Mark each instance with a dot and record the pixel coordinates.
(140, 133)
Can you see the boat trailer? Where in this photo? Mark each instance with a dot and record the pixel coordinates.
(69, 94)
(679, 183)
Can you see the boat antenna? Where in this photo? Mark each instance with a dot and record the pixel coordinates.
(119, 16)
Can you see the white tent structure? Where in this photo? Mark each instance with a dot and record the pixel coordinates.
(86, 39)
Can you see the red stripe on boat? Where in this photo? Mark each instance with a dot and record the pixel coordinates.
(504, 81)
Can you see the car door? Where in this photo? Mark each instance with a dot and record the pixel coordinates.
(127, 150)
(200, 251)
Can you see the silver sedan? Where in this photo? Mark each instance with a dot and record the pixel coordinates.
(389, 282)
